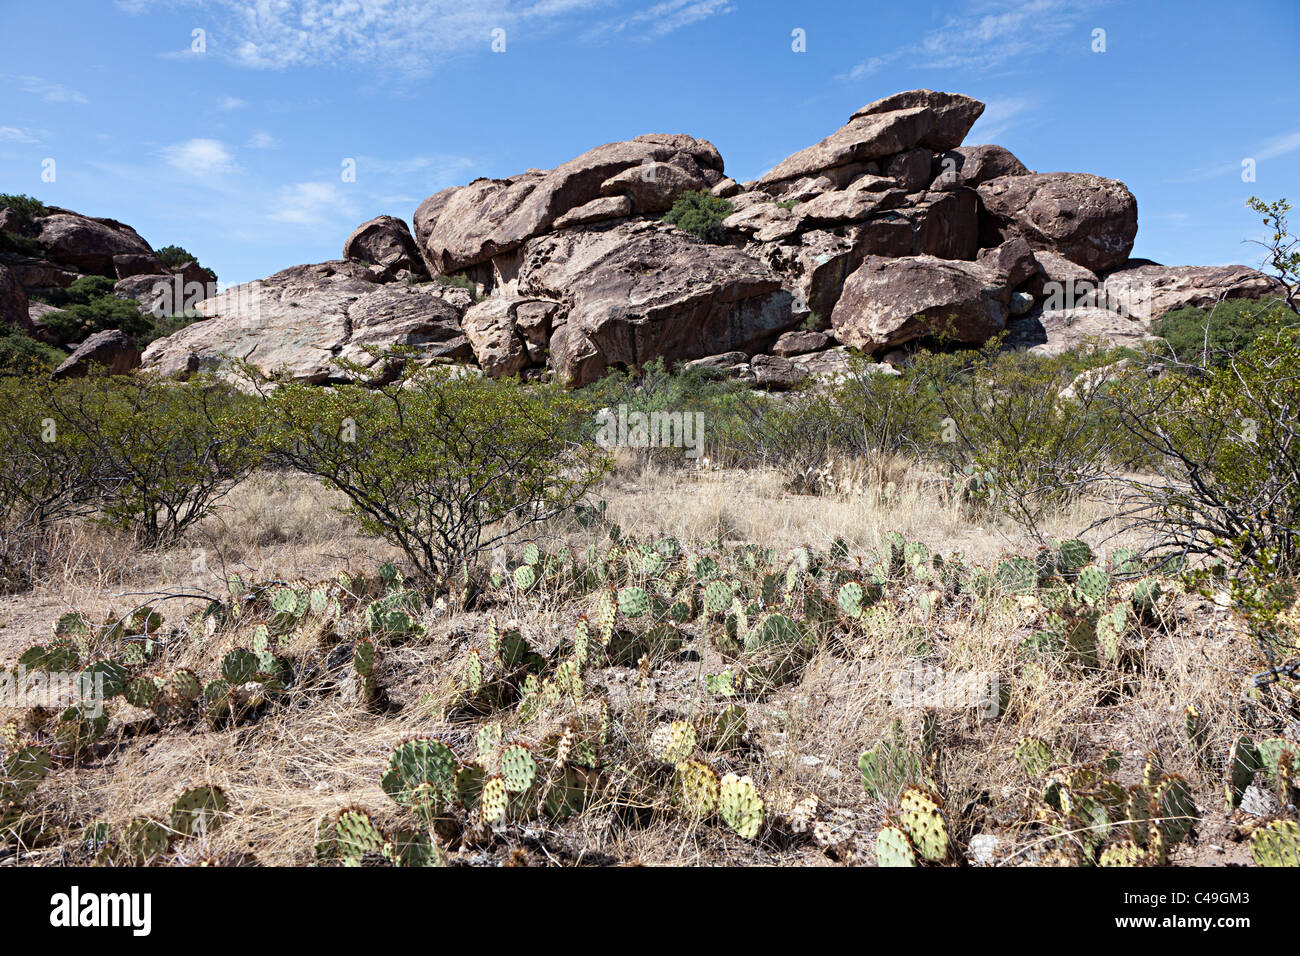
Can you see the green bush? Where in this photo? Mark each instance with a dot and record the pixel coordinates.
(173, 257)
(441, 464)
(701, 214)
(82, 291)
(1213, 336)
(20, 354)
(138, 452)
(77, 322)
(26, 206)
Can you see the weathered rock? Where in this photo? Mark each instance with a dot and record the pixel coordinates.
(945, 224)
(721, 364)
(1087, 219)
(1147, 291)
(775, 372)
(35, 273)
(766, 221)
(725, 188)
(890, 301)
(972, 165)
(301, 319)
(171, 293)
(111, 350)
(911, 170)
(1053, 331)
(384, 241)
(13, 301)
(638, 291)
(598, 210)
(951, 114)
(488, 217)
(137, 264)
(1013, 262)
(90, 245)
(508, 333)
(862, 199)
(868, 137)
(799, 342)
(1066, 283)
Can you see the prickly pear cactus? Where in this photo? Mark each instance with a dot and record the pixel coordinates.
(889, 765)
(1034, 756)
(22, 771)
(1016, 576)
(672, 743)
(1093, 584)
(144, 840)
(356, 836)
(633, 602)
(421, 773)
(695, 788)
(1173, 810)
(921, 816)
(199, 811)
(518, 768)
(1276, 844)
(494, 801)
(1243, 762)
(740, 806)
(894, 848)
(1126, 853)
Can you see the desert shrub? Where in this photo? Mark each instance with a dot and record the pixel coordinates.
(76, 322)
(1213, 336)
(442, 465)
(1227, 440)
(27, 207)
(173, 257)
(154, 455)
(44, 477)
(724, 407)
(82, 291)
(20, 354)
(1010, 439)
(700, 213)
(1282, 249)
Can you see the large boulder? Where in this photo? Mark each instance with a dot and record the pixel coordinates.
(887, 302)
(95, 245)
(466, 226)
(1147, 290)
(384, 241)
(111, 351)
(299, 320)
(1087, 219)
(882, 129)
(13, 302)
(972, 165)
(951, 114)
(628, 294)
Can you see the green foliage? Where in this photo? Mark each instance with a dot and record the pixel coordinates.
(20, 354)
(1211, 337)
(173, 257)
(442, 465)
(701, 214)
(27, 207)
(78, 322)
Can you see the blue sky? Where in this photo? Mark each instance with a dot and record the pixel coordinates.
(237, 151)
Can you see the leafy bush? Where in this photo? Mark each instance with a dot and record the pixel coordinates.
(137, 452)
(1227, 439)
(76, 322)
(1004, 428)
(1213, 336)
(173, 257)
(440, 464)
(701, 214)
(20, 354)
(82, 291)
(26, 206)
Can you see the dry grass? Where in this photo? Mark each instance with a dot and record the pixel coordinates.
(319, 752)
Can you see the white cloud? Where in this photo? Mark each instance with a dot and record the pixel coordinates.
(12, 134)
(665, 18)
(228, 103)
(999, 116)
(199, 156)
(1269, 149)
(989, 34)
(50, 92)
(403, 36)
(263, 140)
(312, 203)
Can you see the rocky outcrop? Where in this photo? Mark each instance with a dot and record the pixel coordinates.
(384, 241)
(300, 320)
(103, 247)
(889, 231)
(13, 302)
(1087, 219)
(466, 226)
(1148, 290)
(110, 351)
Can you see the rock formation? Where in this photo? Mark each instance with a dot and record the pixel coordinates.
(887, 233)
